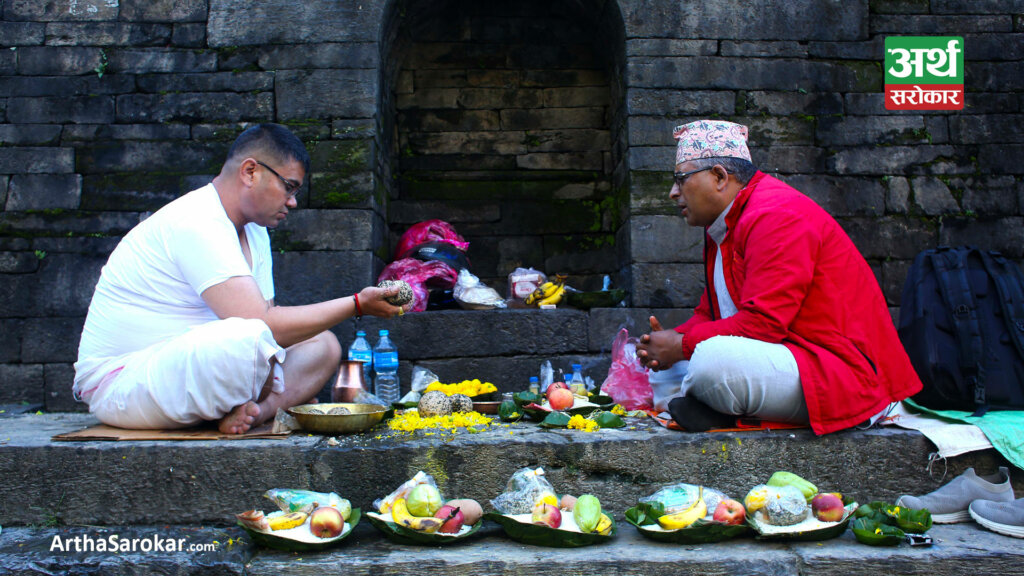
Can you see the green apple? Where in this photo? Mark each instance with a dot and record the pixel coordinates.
(424, 500)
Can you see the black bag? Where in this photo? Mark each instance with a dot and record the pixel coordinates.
(962, 324)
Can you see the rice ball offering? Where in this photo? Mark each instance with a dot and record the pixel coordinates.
(434, 403)
(404, 295)
(461, 403)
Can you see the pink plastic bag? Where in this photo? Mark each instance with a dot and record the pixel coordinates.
(627, 381)
(429, 231)
(421, 276)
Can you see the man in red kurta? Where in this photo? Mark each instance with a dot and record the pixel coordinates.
(793, 325)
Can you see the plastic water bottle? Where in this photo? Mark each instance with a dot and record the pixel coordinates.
(360, 351)
(576, 383)
(385, 362)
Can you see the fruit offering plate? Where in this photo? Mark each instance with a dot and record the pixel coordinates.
(520, 528)
(700, 532)
(299, 538)
(809, 529)
(538, 412)
(402, 535)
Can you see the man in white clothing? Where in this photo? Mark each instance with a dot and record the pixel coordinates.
(183, 328)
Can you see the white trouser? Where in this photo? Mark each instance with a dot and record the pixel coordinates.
(198, 376)
(735, 375)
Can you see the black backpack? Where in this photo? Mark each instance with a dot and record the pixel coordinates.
(962, 324)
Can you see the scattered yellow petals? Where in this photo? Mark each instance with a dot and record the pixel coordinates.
(410, 420)
(578, 422)
(618, 410)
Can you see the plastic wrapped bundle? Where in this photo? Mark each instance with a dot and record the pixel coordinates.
(525, 488)
(785, 507)
(681, 496)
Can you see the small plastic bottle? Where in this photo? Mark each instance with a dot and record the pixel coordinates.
(534, 386)
(576, 383)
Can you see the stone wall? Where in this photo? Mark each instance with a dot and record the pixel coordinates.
(111, 108)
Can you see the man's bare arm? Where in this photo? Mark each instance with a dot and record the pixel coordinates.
(240, 297)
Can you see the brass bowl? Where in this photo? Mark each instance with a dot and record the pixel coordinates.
(313, 417)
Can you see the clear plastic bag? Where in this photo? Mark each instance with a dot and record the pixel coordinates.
(525, 488)
(523, 281)
(421, 378)
(289, 500)
(471, 294)
(627, 381)
(383, 505)
(679, 497)
(547, 376)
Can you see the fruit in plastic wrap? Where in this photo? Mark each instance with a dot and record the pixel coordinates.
(785, 507)
(461, 403)
(587, 512)
(682, 496)
(525, 488)
(424, 500)
(434, 403)
(757, 498)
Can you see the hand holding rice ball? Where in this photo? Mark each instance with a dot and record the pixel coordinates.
(386, 300)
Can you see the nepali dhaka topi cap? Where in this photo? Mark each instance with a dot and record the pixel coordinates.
(711, 139)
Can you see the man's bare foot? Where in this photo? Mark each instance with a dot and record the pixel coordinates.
(240, 419)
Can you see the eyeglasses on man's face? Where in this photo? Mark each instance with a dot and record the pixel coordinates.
(680, 177)
(291, 187)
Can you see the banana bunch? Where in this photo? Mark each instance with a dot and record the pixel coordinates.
(548, 292)
(696, 511)
(401, 515)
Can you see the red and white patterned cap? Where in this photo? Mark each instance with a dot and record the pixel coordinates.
(711, 139)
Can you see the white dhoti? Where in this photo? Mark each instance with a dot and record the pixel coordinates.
(198, 376)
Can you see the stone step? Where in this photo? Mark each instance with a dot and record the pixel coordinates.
(957, 549)
(206, 482)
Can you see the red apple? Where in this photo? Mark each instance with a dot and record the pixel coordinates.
(827, 508)
(326, 522)
(730, 512)
(547, 514)
(454, 519)
(556, 385)
(560, 399)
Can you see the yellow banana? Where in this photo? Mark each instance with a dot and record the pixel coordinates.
(696, 511)
(555, 296)
(543, 291)
(400, 514)
(604, 525)
(286, 521)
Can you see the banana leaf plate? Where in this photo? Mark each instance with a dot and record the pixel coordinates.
(402, 535)
(539, 535)
(809, 530)
(700, 532)
(280, 540)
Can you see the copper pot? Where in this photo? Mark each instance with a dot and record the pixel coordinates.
(349, 383)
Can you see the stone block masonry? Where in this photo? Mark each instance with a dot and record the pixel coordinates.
(541, 130)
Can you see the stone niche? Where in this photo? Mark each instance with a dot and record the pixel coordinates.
(502, 119)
